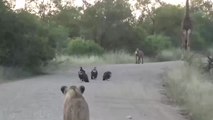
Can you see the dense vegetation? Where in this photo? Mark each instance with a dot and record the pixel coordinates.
(32, 36)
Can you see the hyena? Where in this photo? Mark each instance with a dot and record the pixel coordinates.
(139, 56)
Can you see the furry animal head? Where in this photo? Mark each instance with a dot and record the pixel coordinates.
(73, 89)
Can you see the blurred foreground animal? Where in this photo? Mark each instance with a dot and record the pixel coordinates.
(75, 106)
(94, 73)
(107, 75)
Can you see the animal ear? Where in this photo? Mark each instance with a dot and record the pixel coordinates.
(64, 89)
(82, 89)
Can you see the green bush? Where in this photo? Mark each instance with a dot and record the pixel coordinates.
(79, 46)
(153, 44)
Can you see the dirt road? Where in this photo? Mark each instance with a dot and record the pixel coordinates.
(133, 90)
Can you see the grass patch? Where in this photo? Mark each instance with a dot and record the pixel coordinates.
(191, 89)
(192, 58)
(169, 55)
(65, 62)
(118, 57)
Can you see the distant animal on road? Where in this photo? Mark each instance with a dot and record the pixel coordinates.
(94, 73)
(139, 56)
(107, 75)
(75, 106)
(82, 75)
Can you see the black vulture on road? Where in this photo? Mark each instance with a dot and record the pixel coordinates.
(94, 73)
(107, 75)
(82, 75)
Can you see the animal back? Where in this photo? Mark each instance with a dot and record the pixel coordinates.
(76, 109)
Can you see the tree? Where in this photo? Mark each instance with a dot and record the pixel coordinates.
(168, 20)
(70, 18)
(153, 44)
(206, 6)
(43, 8)
(147, 8)
(108, 22)
(202, 36)
(24, 40)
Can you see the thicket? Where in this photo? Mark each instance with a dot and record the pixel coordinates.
(24, 40)
(30, 38)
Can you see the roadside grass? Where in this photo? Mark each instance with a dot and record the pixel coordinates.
(191, 88)
(169, 55)
(64, 62)
(178, 54)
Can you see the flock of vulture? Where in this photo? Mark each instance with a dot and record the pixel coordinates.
(94, 74)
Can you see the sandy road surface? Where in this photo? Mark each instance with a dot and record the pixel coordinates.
(133, 90)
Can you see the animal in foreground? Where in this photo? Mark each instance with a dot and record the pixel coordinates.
(75, 105)
(82, 75)
(139, 56)
(94, 73)
(107, 75)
